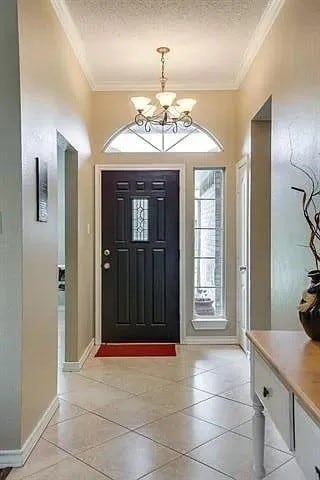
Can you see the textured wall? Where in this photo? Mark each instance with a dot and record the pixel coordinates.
(54, 97)
(287, 67)
(10, 230)
(215, 111)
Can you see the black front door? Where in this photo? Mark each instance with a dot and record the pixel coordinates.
(140, 256)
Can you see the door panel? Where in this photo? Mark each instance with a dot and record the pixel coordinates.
(140, 229)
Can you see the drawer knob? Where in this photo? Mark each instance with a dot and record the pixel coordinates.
(265, 392)
(317, 471)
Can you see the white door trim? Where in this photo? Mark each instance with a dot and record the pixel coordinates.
(244, 162)
(98, 247)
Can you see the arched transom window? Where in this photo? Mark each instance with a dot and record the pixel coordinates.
(135, 139)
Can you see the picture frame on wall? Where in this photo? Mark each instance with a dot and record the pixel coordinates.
(42, 190)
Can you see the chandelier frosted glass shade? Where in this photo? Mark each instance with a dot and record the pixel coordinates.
(166, 99)
(149, 110)
(140, 103)
(186, 104)
(166, 113)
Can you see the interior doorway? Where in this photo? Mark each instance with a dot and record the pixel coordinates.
(243, 323)
(254, 229)
(260, 219)
(61, 251)
(67, 278)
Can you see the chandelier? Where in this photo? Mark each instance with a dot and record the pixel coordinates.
(166, 113)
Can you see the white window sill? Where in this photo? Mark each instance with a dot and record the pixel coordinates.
(207, 323)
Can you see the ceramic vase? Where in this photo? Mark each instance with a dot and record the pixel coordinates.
(309, 307)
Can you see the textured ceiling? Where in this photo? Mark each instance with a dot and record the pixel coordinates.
(208, 40)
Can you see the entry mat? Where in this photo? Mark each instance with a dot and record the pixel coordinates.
(4, 472)
(136, 350)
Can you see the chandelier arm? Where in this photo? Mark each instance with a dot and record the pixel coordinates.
(140, 119)
(147, 126)
(174, 127)
(187, 121)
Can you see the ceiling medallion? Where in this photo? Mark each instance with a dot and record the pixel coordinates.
(166, 113)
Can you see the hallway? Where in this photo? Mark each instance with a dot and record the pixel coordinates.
(184, 417)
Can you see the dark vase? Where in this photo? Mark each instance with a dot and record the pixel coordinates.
(309, 308)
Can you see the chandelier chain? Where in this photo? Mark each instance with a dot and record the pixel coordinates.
(163, 75)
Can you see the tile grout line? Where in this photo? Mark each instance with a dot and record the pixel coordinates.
(175, 412)
(72, 455)
(280, 466)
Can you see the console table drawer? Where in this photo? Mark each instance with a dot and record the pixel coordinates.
(307, 443)
(275, 397)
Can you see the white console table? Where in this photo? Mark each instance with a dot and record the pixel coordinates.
(285, 375)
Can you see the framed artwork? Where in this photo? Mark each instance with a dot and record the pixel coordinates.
(42, 190)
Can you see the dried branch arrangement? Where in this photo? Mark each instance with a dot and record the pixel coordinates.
(311, 209)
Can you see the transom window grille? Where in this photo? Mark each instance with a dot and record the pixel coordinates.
(140, 219)
(208, 243)
(133, 138)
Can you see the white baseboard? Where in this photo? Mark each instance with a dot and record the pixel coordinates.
(17, 458)
(210, 340)
(76, 366)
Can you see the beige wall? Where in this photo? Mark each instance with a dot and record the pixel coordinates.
(215, 111)
(10, 230)
(260, 225)
(54, 97)
(287, 67)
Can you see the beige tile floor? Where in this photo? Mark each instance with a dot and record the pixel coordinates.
(186, 418)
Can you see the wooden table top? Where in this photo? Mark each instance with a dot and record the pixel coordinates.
(296, 360)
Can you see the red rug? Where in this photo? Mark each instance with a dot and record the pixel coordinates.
(136, 350)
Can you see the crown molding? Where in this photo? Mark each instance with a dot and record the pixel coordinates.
(267, 20)
(73, 36)
(154, 87)
(263, 28)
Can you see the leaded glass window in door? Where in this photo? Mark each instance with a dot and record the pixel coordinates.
(140, 219)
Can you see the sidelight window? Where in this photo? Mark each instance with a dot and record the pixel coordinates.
(208, 243)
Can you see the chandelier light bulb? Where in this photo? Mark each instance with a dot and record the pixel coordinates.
(186, 104)
(140, 103)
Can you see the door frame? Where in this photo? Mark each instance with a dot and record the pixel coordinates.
(243, 162)
(98, 247)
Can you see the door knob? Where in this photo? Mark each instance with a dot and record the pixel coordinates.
(106, 252)
(106, 266)
(266, 393)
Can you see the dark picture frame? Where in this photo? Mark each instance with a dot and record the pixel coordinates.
(42, 190)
